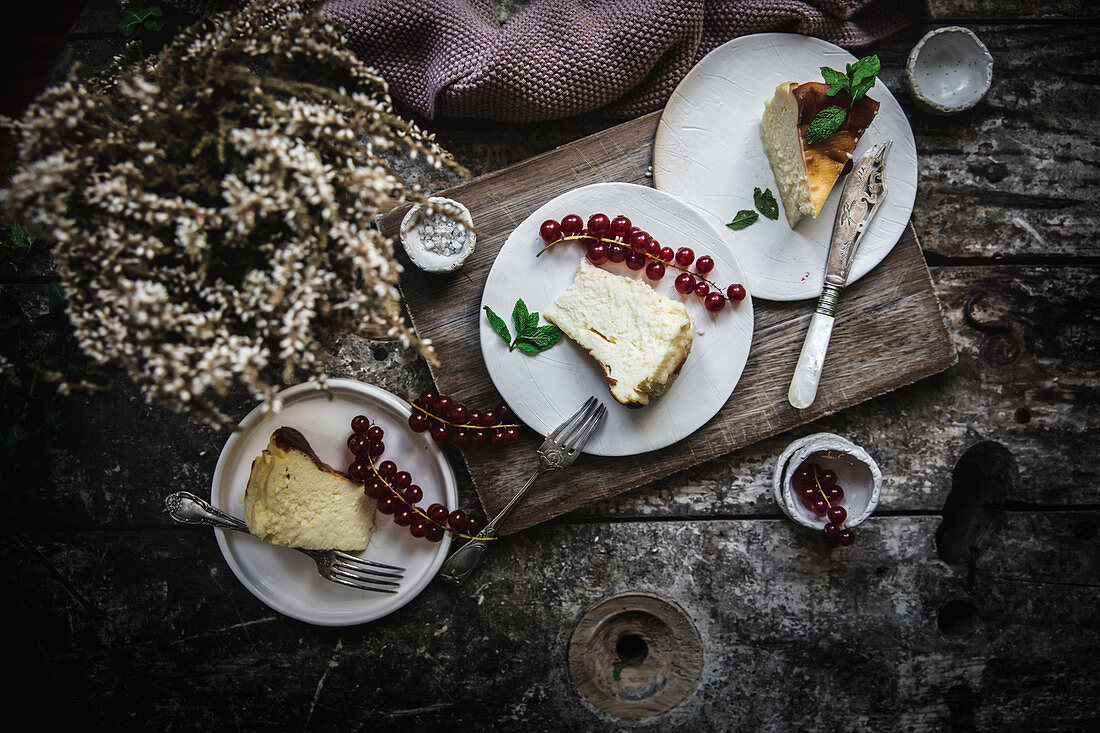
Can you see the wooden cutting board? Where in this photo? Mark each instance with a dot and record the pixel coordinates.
(889, 332)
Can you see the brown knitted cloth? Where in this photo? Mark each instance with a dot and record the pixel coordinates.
(558, 58)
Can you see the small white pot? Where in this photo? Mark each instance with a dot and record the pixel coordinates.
(414, 245)
(949, 70)
(857, 473)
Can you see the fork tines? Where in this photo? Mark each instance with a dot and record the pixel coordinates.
(354, 560)
(574, 432)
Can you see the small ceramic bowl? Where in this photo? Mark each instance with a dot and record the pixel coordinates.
(413, 228)
(857, 473)
(949, 70)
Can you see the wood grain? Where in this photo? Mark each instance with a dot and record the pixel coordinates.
(890, 332)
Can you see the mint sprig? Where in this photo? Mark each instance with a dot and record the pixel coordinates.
(765, 203)
(858, 80)
(141, 18)
(742, 219)
(531, 338)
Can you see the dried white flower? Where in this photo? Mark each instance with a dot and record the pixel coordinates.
(213, 223)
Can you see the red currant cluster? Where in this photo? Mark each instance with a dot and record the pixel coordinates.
(818, 491)
(453, 422)
(617, 240)
(397, 495)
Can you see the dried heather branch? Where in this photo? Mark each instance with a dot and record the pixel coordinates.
(212, 207)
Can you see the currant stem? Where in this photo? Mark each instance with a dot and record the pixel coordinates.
(672, 264)
(456, 425)
(418, 510)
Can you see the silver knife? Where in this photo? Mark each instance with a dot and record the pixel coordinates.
(863, 192)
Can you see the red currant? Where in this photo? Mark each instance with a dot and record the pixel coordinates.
(616, 253)
(497, 438)
(376, 489)
(704, 264)
(442, 405)
(473, 418)
(511, 435)
(375, 433)
(655, 248)
(387, 469)
(437, 513)
(639, 241)
(427, 399)
(808, 495)
(413, 494)
(479, 438)
(457, 520)
(736, 292)
(684, 283)
(459, 414)
(635, 261)
(827, 477)
(598, 224)
(358, 444)
(388, 504)
(376, 449)
(460, 437)
(685, 256)
(702, 288)
(489, 418)
(820, 507)
(571, 224)
(847, 537)
(837, 515)
(597, 253)
(441, 433)
(666, 254)
(832, 530)
(714, 302)
(418, 528)
(655, 270)
(418, 422)
(434, 534)
(550, 231)
(472, 524)
(504, 413)
(358, 471)
(403, 517)
(802, 477)
(620, 225)
(401, 480)
(835, 494)
(359, 424)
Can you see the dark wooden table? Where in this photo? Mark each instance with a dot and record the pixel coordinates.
(971, 599)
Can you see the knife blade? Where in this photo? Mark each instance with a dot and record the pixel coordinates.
(859, 200)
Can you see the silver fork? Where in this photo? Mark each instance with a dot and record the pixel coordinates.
(339, 567)
(556, 453)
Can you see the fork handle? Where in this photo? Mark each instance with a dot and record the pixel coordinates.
(463, 560)
(187, 508)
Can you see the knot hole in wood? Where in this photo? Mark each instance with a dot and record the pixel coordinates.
(635, 655)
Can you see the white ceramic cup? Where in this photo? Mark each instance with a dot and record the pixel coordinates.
(857, 473)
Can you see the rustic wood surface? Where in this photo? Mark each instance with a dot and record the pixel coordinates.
(970, 600)
(889, 329)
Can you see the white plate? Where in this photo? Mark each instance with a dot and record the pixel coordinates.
(287, 580)
(544, 389)
(708, 152)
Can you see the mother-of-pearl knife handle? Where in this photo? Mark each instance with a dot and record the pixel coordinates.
(808, 371)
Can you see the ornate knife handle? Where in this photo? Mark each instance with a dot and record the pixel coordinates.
(186, 508)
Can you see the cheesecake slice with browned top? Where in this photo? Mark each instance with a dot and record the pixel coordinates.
(806, 172)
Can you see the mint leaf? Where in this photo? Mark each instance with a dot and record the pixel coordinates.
(744, 218)
(532, 322)
(135, 19)
(499, 326)
(826, 123)
(541, 338)
(866, 69)
(20, 240)
(836, 81)
(520, 315)
(765, 203)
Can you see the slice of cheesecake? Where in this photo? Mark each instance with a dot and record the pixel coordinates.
(295, 499)
(640, 338)
(805, 173)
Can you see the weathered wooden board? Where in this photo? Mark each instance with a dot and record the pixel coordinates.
(889, 332)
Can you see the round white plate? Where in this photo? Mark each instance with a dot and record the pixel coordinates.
(708, 152)
(287, 580)
(545, 389)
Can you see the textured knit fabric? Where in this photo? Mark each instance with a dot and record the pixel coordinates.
(559, 58)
